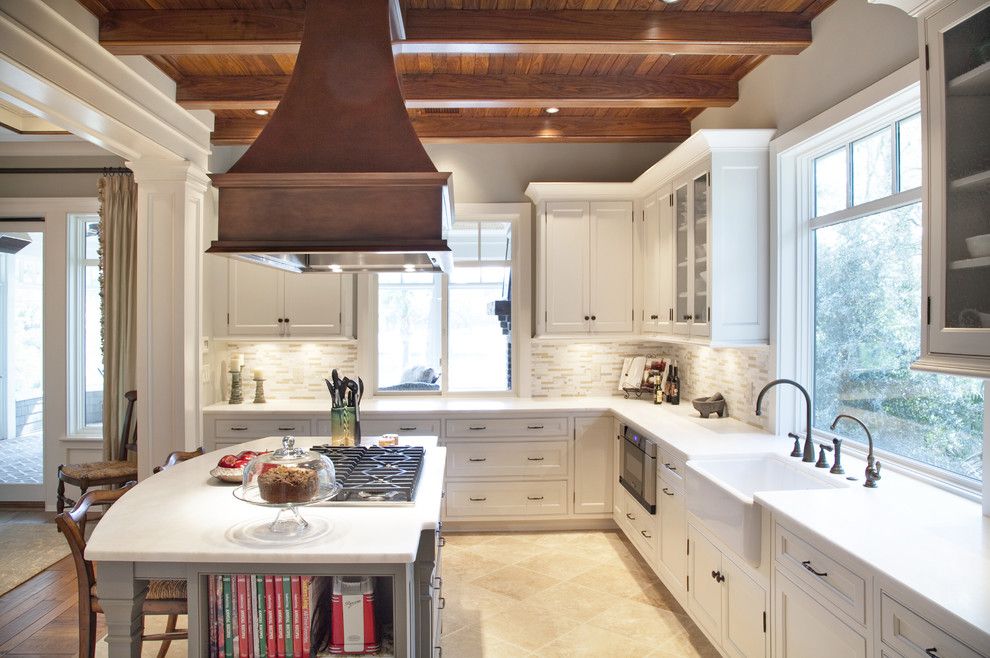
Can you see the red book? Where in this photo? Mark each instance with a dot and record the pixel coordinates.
(243, 640)
(279, 619)
(306, 583)
(270, 617)
(297, 615)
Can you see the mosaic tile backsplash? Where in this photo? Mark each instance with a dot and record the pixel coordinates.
(295, 370)
(574, 369)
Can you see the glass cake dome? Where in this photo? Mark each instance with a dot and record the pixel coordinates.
(287, 478)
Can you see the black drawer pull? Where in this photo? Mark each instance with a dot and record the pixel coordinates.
(477, 459)
(534, 427)
(535, 459)
(933, 652)
(807, 565)
(666, 491)
(443, 603)
(286, 429)
(534, 497)
(407, 429)
(668, 465)
(437, 582)
(646, 534)
(478, 427)
(442, 542)
(477, 500)
(630, 516)
(238, 429)
(654, 317)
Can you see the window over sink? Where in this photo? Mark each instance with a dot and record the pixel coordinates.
(856, 182)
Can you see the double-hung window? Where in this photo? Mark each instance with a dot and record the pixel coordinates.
(864, 233)
(85, 385)
(440, 333)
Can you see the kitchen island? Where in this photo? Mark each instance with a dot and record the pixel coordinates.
(178, 525)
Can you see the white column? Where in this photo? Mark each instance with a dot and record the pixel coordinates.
(169, 307)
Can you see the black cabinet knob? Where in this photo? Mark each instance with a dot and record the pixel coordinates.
(654, 317)
(593, 317)
(587, 317)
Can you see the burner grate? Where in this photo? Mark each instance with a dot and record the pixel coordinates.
(374, 474)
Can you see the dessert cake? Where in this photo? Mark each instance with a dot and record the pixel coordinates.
(283, 484)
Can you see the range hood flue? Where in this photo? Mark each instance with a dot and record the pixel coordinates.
(338, 179)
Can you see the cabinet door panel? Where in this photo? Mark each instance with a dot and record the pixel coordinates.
(652, 264)
(312, 304)
(805, 629)
(745, 610)
(700, 272)
(667, 236)
(255, 302)
(683, 254)
(592, 465)
(673, 535)
(567, 277)
(611, 267)
(705, 593)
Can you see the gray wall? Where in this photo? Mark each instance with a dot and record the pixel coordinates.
(499, 173)
(53, 185)
(854, 45)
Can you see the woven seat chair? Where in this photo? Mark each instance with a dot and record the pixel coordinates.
(178, 456)
(165, 597)
(107, 473)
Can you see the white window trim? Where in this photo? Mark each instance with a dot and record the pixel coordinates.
(520, 215)
(75, 308)
(792, 225)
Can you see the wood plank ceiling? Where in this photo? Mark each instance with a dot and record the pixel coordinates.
(481, 70)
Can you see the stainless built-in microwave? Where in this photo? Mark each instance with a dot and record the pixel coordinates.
(638, 468)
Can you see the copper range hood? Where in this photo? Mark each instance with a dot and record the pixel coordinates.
(338, 180)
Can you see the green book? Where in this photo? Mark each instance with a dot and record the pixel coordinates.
(259, 583)
(287, 606)
(228, 619)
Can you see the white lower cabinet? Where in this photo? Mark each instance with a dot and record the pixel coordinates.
(804, 628)
(506, 499)
(725, 600)
(593, 465)
(909, 634)
(672, 555)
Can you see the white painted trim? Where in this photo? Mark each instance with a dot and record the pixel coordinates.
(55, 71)
(75, 308)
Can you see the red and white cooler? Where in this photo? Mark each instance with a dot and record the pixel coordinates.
(352, 610)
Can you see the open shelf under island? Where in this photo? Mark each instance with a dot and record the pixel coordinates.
(179, 524)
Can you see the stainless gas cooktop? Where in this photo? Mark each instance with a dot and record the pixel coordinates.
(375, 476)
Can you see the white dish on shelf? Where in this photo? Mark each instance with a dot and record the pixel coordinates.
(978, 245)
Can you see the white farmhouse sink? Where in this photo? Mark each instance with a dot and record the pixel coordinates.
(720, 493)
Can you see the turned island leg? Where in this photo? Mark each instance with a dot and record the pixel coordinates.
(122, 598)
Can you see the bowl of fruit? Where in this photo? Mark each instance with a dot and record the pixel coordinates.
(230, 468)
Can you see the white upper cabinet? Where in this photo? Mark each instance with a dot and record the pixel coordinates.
(262, 301)
(956, 103)
(703, 250)
(586, 272)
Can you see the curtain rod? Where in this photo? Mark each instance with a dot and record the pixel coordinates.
(106, 171)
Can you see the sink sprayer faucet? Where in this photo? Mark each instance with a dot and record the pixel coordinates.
(809, 448)
(872, 465)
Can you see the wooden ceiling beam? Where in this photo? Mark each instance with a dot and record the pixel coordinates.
(423, 90)
(208, 31)
(452, 128)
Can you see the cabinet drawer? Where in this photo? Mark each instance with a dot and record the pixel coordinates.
(530, 459)
(671, 469)
(255, 429)
(402, 427)
(843, 588)
(539, 498)
(506, 427)
(910, 635)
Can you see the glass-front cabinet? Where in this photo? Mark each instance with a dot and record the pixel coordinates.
(958, 196)
(691, 203)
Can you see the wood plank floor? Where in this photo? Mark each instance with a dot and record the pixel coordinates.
(40, 617)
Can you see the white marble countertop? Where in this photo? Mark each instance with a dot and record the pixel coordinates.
(183, 515)
(680, 426)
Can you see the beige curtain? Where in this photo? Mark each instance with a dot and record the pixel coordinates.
(118, 281)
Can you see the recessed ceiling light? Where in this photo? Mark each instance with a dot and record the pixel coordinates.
(261, 113)
(552, 110)
(671, 2)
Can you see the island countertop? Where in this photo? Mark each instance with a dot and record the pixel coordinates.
(183, 515)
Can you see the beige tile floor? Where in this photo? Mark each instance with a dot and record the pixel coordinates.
(559, 594)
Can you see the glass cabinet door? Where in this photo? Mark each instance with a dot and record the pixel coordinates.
(967, 147)
(683, 313)
(700, 223)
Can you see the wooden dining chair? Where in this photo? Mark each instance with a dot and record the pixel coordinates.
(179, 456)
(106, 473)
(165, 597)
